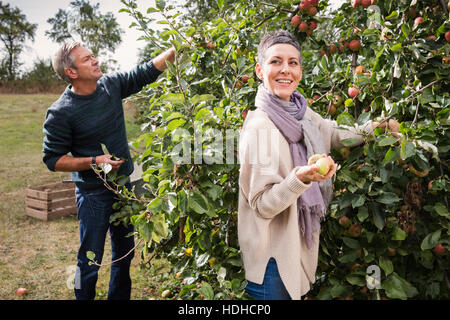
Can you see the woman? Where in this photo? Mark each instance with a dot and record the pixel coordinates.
(282, 199)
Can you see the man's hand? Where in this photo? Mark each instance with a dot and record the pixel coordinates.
(392, 125)
(306, 174)
(160, 61)
(106, 158)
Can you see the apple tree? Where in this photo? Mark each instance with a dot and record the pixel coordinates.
(387, 231)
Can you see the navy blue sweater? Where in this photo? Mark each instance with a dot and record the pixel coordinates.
(78, 124)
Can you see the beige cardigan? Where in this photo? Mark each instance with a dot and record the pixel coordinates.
(267, 215)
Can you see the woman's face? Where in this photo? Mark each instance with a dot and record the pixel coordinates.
(281, 71)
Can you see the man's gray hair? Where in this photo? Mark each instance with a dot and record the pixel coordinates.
(275, 37)
(62, 59)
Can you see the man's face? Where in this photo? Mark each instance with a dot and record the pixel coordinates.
(88, 68)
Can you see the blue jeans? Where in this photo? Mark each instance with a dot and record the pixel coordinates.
(272, 287)
(94, 210)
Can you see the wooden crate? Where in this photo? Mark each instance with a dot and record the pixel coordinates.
(51, 201)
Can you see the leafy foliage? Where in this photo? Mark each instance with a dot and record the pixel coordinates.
(393, 190)
(84, 22)
(14, 30)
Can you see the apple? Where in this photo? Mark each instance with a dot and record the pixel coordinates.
(312, 11)
(412, 13)
(165, 294)
(331, 109)
(238, 84)
(303, 26)
(295, 21)
(353, 92)
(341, 47)
(313, 159)
(373, 2)
(447, 35)
(344, 152)
(354, 45)
(314, 3)
(439, 250)
(245, 78)
(21, 291)
(365, 3)
(356, 3)
(312, 25)
(354, 230)
(391, 251)
(337, 100)
(418, 21)
(360, 69)
(333, 48)
(345, 221)
(210, 45)
(304, 6)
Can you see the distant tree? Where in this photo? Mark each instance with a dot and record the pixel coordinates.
(84, 22)
(14, 30)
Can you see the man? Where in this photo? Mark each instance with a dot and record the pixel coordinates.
(90, 113)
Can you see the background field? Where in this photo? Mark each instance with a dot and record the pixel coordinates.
(36, 254)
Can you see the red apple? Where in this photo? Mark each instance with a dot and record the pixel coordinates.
(333, 48)
(21, 291)
(354, 45)
(353, 92)
(295, 21)
(304, 6)
(447, 35)
(245, 78)
(439, 250)
(312, 11)
(356, 3)
(303, 26)
(418, 21)
(354, 230)
(365, 3)
(312, 25)
(345, 221)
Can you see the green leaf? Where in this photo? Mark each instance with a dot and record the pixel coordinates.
(174, 124)
(399, 234)
(378, 220)
(345, 118)
(431, 240)
(391, 155)
(358, 201)
(441, 210)
(220, 4)
(387, 141)
(351, 243)
(90, 255)
(386, 265)
(349, 142)
(206, 290)
(173, 98)
(198, 203)
(356, 280)
(363, 213)
(407, 149)
(388, 198)
(397, 47)
(202, 98)
(398, 288)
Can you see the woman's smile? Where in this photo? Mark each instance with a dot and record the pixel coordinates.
(281, 71)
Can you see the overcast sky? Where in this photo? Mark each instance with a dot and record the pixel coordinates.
(39, 11)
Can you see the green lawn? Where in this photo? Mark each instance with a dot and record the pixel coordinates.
(35, 254)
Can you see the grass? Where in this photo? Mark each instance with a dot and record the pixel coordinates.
(35, 254)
